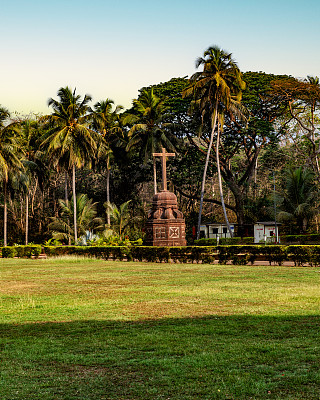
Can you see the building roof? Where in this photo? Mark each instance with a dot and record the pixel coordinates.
(268, 223)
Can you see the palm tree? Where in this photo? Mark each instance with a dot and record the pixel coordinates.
(120, 217)
(34, 169)
(298, 199)
(70, 141)
(150, 132)
(11, 154)
(215, 90)
(106, 122)
(87, 219)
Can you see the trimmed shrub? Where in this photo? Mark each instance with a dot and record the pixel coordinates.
(9, 252)
(236, 254)
(224, 241)
(301, 239)
(21, 251)
(301, 255)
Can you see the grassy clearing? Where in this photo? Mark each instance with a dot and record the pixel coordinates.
(89, 329)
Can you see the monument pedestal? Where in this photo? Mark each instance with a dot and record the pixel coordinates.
(165, 225)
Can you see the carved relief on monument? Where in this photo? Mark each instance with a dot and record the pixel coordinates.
(174, 232)
(160, 233)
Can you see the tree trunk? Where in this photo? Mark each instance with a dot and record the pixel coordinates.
(205, 170)
(108, 196)
(33, 197)
(314, 141)
(74, 203)
(255, 179)
(5, 213)
(154, 175)
(67, 202)
(27, 218)
(220, 182)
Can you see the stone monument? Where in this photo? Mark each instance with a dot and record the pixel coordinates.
(165, 224)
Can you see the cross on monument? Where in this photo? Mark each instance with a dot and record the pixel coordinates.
(163, 155)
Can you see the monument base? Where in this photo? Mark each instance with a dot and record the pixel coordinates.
(165, 225)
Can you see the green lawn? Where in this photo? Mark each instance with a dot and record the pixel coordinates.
(90, 329)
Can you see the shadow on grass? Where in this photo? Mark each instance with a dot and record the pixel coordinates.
(233, 357)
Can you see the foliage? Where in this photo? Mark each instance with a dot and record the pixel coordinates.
(229, 241)
(21, 251)
(120, 217)
(87, 219)
(215, 91)
(69, 141)
(297, 201)
(280, 133)
(149, 132)
(301, 239)
(236, 254)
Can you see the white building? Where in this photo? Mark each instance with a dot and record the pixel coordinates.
(212, 231)
(266, 232)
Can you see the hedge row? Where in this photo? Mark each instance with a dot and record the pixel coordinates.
(300, 239)
(224, 241)
(277, 254)
(238, 255)
(21, 251)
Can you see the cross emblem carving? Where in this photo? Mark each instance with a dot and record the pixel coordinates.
(163, 155)
(174, 232)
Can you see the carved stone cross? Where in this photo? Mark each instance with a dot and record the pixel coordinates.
(163, 157)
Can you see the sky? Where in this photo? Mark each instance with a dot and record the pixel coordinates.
(111, 49)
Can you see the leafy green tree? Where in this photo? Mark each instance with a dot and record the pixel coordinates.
(70, 141)
(243, 142)
(302, 99)
(176, 107)
(87, 219)
(216, 90)
(11, 153)
(150, 131)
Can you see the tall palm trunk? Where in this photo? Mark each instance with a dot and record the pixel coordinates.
(5, 213)
(66, 200)
(27, 218)
(205, 169)
(314, 140)
(220, 182)
(74, 203)
(154, 175)
(108, 195)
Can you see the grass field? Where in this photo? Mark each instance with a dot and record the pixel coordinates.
(90, 329)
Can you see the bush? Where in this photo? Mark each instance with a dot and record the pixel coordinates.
(224, 241)
(9, 252)
(236, 254)
(302, 255)
(301, 239)
(21, 251)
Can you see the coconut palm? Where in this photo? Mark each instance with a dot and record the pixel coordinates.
(11, 153)
(105, 120)
(70, 141)
(298, 199)
(215, 91)
(120, 217)
(34, 172)
(149, 132)
(87, 219)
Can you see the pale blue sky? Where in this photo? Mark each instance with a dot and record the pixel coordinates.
(113, 48)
